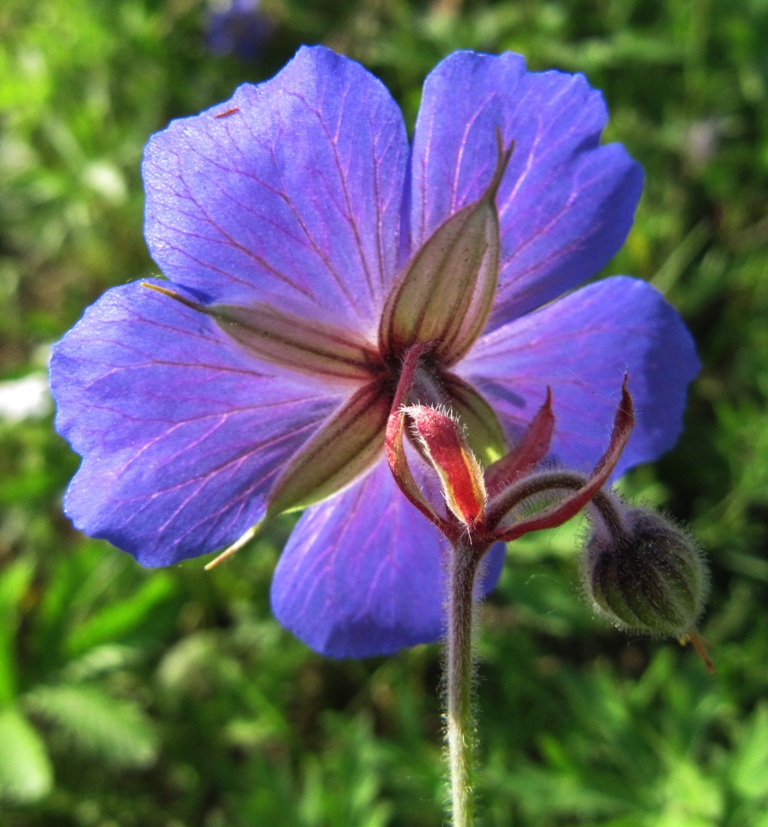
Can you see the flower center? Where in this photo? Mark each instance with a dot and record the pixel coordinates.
(439, 304)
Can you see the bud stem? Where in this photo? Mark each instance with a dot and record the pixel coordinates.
(609, 510)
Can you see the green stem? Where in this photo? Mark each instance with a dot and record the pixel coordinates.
(460, 725)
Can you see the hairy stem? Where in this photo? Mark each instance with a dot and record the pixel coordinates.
(606, 507)
(460, 725)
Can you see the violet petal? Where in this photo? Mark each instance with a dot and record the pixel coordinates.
(566, 203)
(182, 433)
(582, 346)
(292, 196)
(361, 573)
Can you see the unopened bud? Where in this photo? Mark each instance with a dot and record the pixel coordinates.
(447, 450)
(646, 575)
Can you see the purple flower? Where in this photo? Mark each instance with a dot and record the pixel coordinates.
(236, 27)
(308, 245)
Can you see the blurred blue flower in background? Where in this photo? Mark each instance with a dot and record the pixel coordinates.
(236, 27)
(259, 377)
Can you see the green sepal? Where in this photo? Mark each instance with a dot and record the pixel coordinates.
(446, 292)
(303, 345)
(307, 346)
(483, 431)
(344, 447)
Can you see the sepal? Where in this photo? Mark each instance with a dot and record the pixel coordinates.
(339, 452)
(306, 346)
(446, 292)
(579, 490)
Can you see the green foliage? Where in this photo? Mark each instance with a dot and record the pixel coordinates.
(26, 773)
(97, 723)
(132, 697)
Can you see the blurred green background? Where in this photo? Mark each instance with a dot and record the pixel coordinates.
(171, 697)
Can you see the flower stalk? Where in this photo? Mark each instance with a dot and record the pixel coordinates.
(459, 670)
(480, 507)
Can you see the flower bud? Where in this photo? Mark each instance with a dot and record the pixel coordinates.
(447, 451)
(645, 575)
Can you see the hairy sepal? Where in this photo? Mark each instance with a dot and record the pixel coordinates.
(446, 292)
(339, 452)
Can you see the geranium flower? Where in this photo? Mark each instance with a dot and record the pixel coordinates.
(307, 246)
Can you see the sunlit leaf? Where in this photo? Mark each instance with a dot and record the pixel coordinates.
(97, 724)
(26, 774)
